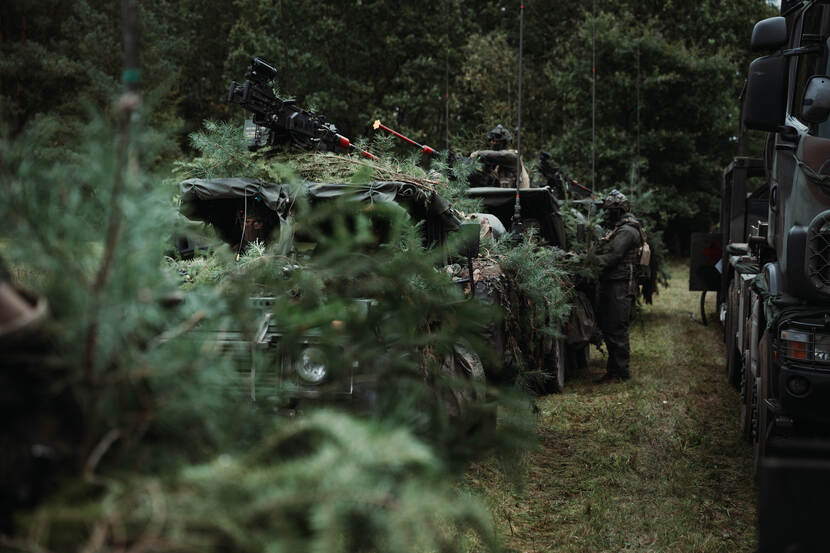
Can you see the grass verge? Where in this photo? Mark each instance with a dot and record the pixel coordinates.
(655, 464)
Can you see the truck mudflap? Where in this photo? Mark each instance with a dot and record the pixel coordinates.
(794, 505)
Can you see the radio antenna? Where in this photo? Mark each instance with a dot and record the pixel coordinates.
(516, 226)
(594, 99)
(447, 82)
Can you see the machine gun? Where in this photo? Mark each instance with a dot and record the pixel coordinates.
(561, 184)
(278, 121)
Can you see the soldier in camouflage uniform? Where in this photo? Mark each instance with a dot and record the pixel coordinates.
(499, 162)
(620, 260)
(499, 138)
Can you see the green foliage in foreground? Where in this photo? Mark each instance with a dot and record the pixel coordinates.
(326, 482)
(174, 453)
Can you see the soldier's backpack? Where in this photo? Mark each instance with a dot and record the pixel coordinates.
(646, 277)
(648, 270)
(645, 252)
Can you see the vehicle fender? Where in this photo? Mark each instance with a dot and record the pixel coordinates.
(793, 270)
(773, 278)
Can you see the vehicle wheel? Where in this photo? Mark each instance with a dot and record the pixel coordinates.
(759, 427)
(747, 405)
(763, 426)
(733, 351)
(555, 364)
(469, 405)
(727, 323)
(466, 371)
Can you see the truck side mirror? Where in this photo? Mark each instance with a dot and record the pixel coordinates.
(815, 108)
(769, 35)
(765, 99)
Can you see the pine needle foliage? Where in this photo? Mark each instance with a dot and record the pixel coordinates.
(222, 152)
(175, 455)
(542, 277)
(535, 293)
(327, 482)
(93, 230)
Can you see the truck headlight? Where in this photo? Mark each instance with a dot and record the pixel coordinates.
(796, 343)
(805, 345)
(310, 366)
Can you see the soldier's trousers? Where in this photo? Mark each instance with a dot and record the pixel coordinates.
(616, 300)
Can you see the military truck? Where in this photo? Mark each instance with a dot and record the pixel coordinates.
(772, 274)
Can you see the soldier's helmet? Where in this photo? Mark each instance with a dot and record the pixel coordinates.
(616, 200)
(499, 138)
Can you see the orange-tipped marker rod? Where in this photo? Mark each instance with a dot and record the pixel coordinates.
(345, 143)
(426, 150)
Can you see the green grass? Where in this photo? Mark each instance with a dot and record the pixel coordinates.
(653, 464)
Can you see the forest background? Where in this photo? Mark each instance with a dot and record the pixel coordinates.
(668, 77)
(171, 459)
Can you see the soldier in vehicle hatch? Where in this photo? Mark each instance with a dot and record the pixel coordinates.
(498, 163)
(620, 252)
(499, 138)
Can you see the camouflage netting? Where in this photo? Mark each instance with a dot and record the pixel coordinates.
(530, 322)
(431, 175)
(328, 167)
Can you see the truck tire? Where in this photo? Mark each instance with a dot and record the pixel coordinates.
(760, 428)
(763, 424)
(734, 364)
(747, 405)
(751, 368)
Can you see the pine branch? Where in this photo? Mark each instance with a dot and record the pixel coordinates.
(127, 105)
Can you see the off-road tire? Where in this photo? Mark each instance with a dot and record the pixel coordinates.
(556, 365)
(469, 403)
(747, 405)
(759, 430)
(734, 362)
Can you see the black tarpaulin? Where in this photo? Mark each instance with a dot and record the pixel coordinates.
(224, 203)
(536, 203)
(273, 196)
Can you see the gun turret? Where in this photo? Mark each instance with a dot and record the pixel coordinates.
(278, 121)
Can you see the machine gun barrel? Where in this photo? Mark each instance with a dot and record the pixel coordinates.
(277, 120)
(426, 150)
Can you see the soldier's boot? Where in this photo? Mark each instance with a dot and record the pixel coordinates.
(618, 361)
(607, 377)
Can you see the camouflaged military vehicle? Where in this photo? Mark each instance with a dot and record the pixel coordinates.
(246, 210)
